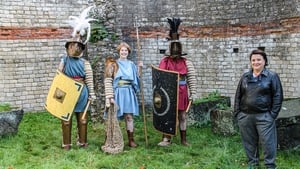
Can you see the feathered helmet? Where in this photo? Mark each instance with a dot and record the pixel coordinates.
(81, 28)
(175, 47)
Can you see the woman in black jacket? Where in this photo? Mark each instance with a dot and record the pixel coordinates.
(257, 103)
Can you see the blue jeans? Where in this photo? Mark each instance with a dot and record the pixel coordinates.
(255, 128)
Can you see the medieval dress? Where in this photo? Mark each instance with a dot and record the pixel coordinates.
(126, 85)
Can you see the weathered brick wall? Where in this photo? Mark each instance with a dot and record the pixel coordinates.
(32, 37)
(219, 67)
(206, 12)
(217, 35)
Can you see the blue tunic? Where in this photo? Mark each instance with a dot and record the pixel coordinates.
(125, 95)
(74, 67)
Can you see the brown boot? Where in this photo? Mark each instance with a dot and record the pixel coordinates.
(166, 141)
(183, 137)
(131, 142)
(66, 127)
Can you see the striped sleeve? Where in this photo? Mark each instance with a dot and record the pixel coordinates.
(89, 81)
(191, 78)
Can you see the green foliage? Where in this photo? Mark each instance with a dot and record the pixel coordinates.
(95, 61)
(37, 146)
(114, 37)
(222, 106)
(5, 107)
(211, 97)
(99, 32)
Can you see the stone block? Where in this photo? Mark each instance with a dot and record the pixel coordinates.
(200, 112)
(9, 122)
(223, 122)
(288, 124)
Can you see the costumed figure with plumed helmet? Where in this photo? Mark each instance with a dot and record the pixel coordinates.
(79, 69)
(174, 61)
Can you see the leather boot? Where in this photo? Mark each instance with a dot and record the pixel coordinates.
(81, 131)
(166, 141)
(183, 137)
(66, 134)
(131, 142)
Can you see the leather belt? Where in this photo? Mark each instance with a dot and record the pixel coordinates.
(80, 80)
(124, 82)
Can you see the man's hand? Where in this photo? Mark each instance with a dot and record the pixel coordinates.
(192, 97)
(92, 97)
(109, 101)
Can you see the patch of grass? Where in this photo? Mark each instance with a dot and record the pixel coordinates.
(222, 106)
(213, 96)
(37, 146)
(5, 107)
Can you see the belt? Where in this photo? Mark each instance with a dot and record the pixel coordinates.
(124, 82)
(80, 80)
(182, 82)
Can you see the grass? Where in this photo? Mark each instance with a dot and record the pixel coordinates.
(37, 146)
(5, 107)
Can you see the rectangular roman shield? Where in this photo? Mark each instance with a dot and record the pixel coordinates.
(63, 96)
(165, 100)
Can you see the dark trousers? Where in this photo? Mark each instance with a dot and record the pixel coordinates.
(255, 128)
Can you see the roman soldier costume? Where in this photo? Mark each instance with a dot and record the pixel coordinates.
(79, 69)
(174, 61)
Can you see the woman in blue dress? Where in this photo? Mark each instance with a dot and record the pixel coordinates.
(124, 81)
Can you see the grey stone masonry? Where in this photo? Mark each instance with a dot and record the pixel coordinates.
(217, 36)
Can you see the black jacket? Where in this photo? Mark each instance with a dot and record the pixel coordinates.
(259, 95)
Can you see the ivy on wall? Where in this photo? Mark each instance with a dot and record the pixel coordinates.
(99, 32)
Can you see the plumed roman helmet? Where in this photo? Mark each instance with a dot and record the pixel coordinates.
(74, 46)
(81, 33)
(175, 46)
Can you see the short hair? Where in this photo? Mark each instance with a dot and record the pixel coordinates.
(123, 44)
(259, 52)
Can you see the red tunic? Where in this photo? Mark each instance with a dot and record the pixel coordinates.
(178, 65)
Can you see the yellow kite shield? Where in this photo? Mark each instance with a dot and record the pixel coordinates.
(63, 96)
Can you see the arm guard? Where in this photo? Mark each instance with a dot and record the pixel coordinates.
(89, 81)
(191, 79)
(111, 68)
(108, 89)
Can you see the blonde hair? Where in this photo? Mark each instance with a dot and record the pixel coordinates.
(123, 44)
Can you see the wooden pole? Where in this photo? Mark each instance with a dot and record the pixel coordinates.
(86, 108)
(141, 81)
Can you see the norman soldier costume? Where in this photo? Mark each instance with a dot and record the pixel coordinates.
(79, 69)
(174, 61)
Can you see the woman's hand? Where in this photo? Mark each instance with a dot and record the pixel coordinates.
(112, 100)
(140, 64)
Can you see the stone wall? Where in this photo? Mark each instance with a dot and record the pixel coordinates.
(217, 35)
(32, 36)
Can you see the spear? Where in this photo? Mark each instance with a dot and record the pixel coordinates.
(141, 80)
